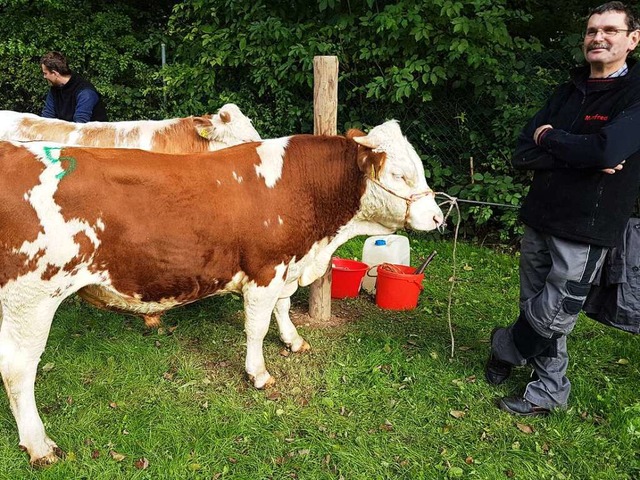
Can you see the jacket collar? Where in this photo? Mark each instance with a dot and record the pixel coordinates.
(580, 77)
(72, 81)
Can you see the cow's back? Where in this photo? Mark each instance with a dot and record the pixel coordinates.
(176, 135)
(26, 127)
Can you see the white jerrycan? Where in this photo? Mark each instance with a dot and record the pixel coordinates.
(383, 249)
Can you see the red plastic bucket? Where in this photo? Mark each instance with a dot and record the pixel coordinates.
(346, 277)
(398, 287)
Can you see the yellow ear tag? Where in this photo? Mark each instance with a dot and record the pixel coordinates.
(204, 133)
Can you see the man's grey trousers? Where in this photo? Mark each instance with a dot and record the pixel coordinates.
(555, 278)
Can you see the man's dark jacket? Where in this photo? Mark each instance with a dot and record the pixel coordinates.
(596, 125)
(64, 99)
(615, 298)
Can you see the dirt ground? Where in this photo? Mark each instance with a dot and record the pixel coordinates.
(342, 313)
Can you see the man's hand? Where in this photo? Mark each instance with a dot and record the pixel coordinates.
(613, 170)
(539, 131)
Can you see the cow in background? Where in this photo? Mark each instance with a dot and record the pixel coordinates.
(142, 232)
(226, 128)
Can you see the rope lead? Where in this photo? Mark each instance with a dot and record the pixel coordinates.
(453, 204)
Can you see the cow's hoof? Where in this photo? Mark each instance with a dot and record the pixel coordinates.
(48, 459)
(304, 347)
(269, 383)
(262, 382)
(152, 321)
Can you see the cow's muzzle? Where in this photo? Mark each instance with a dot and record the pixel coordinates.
(408, 200)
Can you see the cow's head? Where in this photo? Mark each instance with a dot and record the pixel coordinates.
(397, 193)
(229, 127)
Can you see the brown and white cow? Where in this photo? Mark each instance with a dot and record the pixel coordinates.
(226, 128)
(142, 232)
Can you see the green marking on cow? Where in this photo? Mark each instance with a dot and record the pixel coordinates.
(71, 160)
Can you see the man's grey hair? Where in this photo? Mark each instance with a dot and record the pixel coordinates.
(632, 22)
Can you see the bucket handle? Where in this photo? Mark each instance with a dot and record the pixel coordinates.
(410, 280)
(369, 270)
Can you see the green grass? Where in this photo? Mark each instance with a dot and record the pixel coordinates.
(372, 400)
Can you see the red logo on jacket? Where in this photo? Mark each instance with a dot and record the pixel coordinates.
(597, 116)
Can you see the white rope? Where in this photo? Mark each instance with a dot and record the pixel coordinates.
(477, 202)
(453, 203)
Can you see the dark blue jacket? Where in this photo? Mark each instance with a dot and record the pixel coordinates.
(596, 124)
(76, 101)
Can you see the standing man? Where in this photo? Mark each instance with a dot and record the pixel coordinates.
(70, 97)
(577, 207)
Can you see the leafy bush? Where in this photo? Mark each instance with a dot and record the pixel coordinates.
(460, 76)
(101, 44)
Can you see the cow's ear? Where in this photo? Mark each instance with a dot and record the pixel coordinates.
(204, 127)
(370, 163)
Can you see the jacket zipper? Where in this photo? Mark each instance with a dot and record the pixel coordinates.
(584, 98)
(598, 199)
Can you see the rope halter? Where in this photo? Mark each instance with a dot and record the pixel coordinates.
(408, 200)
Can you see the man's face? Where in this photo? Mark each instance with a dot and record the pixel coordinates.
(606, 49)
(51, 76)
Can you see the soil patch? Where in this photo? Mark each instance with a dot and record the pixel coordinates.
(342, 312)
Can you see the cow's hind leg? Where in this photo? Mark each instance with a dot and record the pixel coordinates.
(23, 335)
(288, 332)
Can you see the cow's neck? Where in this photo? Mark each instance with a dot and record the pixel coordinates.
(351, 230)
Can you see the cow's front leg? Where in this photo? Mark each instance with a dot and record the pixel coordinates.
(288, 332)
(23, 337)
(258, 305)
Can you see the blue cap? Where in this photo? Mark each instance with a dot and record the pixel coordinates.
(380, 242)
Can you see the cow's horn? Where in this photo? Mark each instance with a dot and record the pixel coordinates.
(365, 141)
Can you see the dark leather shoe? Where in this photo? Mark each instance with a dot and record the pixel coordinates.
(496, 371)
(521, 406)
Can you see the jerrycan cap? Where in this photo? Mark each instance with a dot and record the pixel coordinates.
(380, 242)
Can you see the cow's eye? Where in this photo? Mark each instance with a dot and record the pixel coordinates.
(398, 176)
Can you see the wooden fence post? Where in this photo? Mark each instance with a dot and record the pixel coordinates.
(325, 122)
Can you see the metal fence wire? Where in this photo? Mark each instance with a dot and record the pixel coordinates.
(456, 129)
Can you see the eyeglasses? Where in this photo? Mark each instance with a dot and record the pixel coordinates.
(607, 32)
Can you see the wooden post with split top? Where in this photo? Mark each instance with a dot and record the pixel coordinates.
(325, 122)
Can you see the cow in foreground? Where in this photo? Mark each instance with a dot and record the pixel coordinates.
(226, 128)
(142, 232)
